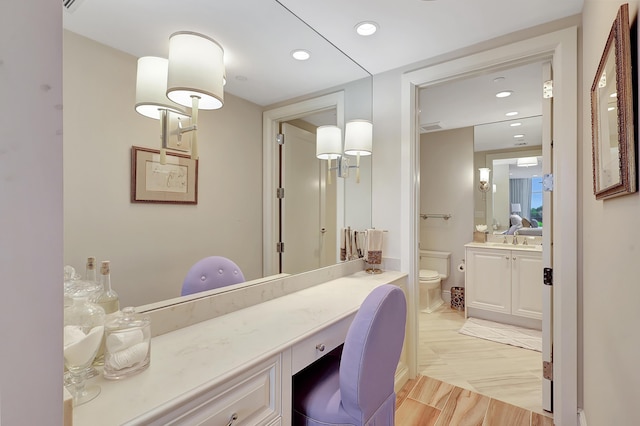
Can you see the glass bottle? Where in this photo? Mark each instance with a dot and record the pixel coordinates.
(108, 299)
(128, 344)
(90, 269)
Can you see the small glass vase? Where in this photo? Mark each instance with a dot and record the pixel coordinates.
(83, 332)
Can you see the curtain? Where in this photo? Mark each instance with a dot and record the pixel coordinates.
(520, 192)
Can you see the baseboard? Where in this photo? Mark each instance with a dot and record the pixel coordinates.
(582, 417)
(446, 296)
(402, 377)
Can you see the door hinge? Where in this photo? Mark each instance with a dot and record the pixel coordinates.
(547, 89)
(547, 370)
(279, 247)
(280, 138)
(280, 193)
(547, 182)
(547, 276)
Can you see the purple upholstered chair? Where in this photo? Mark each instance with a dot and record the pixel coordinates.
(357, 389)
(209, 273)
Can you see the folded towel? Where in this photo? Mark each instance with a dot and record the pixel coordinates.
(374, 246)
(128, 357)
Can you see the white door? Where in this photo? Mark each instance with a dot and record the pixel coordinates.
(304, 212)
(547, 246)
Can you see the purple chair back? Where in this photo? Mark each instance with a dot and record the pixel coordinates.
(209, 273)
(371, 353)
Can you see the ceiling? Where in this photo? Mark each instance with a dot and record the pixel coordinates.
(258, 36)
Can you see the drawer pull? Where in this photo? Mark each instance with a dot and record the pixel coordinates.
(232, 419)
(320, 347)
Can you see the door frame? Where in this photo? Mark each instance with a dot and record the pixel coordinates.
(561, 47)
(271, 119)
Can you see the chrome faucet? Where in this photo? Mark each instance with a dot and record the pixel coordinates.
(515, 240)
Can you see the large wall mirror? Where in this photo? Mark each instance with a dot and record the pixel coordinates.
(152, 246)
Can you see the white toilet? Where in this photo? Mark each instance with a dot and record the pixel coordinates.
(434, 267)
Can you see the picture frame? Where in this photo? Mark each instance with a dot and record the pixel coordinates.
(175, 182)
(612, 115)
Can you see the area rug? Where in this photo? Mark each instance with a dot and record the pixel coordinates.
(503, 333)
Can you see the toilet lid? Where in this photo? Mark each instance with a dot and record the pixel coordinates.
(428, 274)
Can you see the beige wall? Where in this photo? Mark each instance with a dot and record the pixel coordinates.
(152, 246)
(610, 249)
(446, 186)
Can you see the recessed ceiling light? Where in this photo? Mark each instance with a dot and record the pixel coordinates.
(504, 94)
(511, 114)
(366, 28)
(518, 136)
(498, 79)
(300, 54)
(515, 124)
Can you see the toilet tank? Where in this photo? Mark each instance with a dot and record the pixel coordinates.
(439, 261)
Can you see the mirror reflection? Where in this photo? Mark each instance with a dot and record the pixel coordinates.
(152, 246)
(513, 201)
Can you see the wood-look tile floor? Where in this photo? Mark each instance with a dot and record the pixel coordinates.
(425, 402)
(479, 373)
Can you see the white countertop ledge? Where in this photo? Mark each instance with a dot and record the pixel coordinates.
(190, 360)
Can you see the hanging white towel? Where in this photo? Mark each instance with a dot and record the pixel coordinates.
(374, 246)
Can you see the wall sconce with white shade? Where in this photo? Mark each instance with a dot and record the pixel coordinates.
(193, 76)
(484, 179)
(358, 141)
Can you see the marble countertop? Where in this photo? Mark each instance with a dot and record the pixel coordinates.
(206, 354)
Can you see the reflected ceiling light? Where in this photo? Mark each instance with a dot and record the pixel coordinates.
(613, 95)
(527, 162)
(366, 28)
(300, 54)
(518, 136)
(611, 108)
(511, 113)
(193, 76)
(504, 94)
(515, 124)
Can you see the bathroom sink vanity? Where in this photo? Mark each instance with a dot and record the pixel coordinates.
(503, 283)
(238, 365)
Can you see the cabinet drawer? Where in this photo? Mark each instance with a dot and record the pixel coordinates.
(253, 399)
(319, 344)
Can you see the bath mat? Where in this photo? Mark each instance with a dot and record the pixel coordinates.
(503, 333)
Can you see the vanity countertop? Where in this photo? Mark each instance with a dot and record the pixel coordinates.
(507, 246)
(211, 352)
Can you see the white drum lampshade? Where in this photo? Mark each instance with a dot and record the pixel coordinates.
(358, 137)
(328, 142)
(196, 68)
(151, 88)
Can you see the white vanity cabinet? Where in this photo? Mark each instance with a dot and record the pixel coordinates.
(236, 368)
(504, 284)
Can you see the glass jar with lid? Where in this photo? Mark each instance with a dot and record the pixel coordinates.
(127, 344)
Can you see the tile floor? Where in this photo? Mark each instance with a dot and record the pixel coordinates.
(474, 373)
(425, 401)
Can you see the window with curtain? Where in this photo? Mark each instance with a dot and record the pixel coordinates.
(528, 193)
